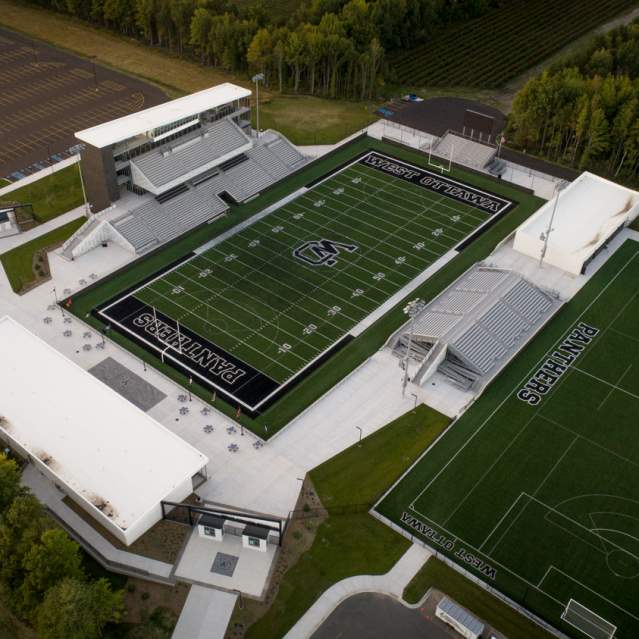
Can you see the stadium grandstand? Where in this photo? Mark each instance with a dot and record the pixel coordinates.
(572, 228)
(471, 330)
(175, 167)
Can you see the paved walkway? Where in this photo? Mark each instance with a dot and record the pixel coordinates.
(392, 583)
(129, 563)
(205, 615)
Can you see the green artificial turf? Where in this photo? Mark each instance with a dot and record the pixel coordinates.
(542, 501)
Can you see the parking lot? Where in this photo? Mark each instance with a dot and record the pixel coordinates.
(47, 94)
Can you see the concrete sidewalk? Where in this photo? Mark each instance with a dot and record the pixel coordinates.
(7, 243)
(392, 583)
(205, 615)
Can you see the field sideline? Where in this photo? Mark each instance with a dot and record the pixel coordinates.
(535, 488)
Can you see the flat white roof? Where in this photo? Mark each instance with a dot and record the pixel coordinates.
(134, 124)
(99, 444)
(587, 210)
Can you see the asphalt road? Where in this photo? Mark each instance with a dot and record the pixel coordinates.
(375, 616)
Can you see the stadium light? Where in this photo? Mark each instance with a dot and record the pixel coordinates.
(412, 309)
(544, 236)
(257, 78)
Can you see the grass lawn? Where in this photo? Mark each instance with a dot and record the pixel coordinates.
(351, 543)
(309, 120)
(18, 262)
(436, 574)
(51, 195)
(635, 225)
(4, 182)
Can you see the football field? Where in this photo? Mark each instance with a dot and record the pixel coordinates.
(536, 488)
(251, 313)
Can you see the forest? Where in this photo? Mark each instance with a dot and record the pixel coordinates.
(330, 48)
(584, 110)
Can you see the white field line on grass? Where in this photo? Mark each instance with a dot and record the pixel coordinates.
(488, 470)
(526, 376)
(587, 439)
(408, 189)
(217, 327)
(463, 209)
(534, 496)
(201, 282)
(630, 337)
(282, 284)
(613, 387)
(203, 303)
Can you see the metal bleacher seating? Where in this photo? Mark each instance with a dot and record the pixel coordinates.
(180, 157)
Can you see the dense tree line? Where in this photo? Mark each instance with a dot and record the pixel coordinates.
(584, 111)
(41, 573)
(323, 47)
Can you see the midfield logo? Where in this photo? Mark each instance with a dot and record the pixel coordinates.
(322, 252)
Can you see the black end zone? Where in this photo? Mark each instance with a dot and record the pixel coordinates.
(189, 353)
(485, 201)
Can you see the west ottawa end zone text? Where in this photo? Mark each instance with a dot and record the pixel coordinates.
(449, 545)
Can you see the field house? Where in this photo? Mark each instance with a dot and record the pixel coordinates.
(261, 281)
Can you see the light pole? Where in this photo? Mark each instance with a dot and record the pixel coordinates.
(545, 236)
(257, 78)
(412, 309)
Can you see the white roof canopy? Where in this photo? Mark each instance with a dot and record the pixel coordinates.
(96, 442)
(587, 213)
(143, 121)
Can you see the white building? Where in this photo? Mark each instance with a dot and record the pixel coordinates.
(462, 621)
(111, 458)
(587, 215)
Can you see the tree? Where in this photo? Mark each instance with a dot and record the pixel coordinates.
(57, 557)
(74, 609)
(21, 527)
(10, 486)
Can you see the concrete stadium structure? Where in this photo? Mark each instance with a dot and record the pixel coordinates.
(175, 166)
(575, 225)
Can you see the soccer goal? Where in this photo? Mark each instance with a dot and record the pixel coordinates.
(587, 621)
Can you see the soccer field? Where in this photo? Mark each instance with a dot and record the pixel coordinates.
(251, 313)
(536, 488)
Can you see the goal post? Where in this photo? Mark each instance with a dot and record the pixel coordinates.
(441, 166)
(588, 622)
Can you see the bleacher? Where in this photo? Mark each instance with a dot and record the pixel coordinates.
(180, 157)
(196, 200)
(464, 151)
(482, 319)
(154, 223)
